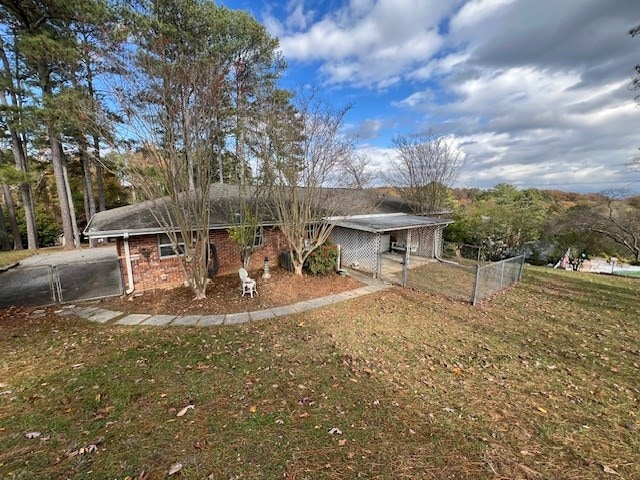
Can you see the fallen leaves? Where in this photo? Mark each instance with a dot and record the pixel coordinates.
(609, 470)
(175, 468)
(91, 448)
(32, 435)
(102, 413)
(182, 412)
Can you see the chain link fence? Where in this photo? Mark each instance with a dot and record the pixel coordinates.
(88, 280)
(48, 284)
(444, 278)
(28, 286)
(494, 277)
(460, 274)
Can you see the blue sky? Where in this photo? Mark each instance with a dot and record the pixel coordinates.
(534, 92)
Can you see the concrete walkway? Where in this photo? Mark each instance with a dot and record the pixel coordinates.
(102, 315)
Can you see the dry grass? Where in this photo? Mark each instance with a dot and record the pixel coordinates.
(540, 383)
(12, 256)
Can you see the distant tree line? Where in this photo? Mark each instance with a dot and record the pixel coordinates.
(504, 221)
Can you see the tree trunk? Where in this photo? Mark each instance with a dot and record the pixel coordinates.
(4, 236)
(57, 160)
(88, 187)
(99, 174)
(29, 216)
(18, 149)
(72, 210)
(8, 200)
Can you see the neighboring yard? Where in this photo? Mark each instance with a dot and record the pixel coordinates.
(12, 256)
(540, 383)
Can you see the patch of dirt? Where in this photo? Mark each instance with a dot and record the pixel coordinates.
(225, 296)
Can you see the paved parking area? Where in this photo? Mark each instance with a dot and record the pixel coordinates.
(62, 277)
(71, 256)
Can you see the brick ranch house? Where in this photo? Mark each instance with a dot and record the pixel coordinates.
(366, 225)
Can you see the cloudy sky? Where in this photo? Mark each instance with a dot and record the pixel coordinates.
(535, 92)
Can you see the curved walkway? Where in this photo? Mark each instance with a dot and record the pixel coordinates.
(102, 315)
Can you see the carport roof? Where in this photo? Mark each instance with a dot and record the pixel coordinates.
(389, 222)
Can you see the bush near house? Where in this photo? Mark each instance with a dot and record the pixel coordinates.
(323, 259)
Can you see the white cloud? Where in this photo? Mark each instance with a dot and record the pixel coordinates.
(534, 90)
(376, 42)
(475, 12)
(298, 18)
(439, 66)
(366, 130)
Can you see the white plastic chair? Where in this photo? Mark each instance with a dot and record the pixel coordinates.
(248, 284)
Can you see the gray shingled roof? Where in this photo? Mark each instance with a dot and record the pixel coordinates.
(137, 219)
(389, 222)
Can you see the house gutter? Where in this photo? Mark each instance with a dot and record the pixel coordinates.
(435, 253)
(127, 256)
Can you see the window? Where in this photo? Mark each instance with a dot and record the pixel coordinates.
(165, 246)
(258, 238)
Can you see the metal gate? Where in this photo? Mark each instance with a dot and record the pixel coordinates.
(47, 284)
(28, 286)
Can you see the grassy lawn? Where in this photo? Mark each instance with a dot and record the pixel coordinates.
(12, 256)
(540, 383)
(452, 281)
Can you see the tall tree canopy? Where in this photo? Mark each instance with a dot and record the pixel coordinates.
(42, 74)
(199, 81)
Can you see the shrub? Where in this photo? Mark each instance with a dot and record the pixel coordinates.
(450, 250)
(323, 259)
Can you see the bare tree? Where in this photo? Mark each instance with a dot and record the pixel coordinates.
(171, 101)
(316, 146)
(355, 171)
(246, 216)
(619, 220)
(426, 167)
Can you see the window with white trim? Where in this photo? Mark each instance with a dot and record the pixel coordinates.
(165, 245)
(258, 237)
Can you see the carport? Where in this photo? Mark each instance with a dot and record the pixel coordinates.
(366, 240)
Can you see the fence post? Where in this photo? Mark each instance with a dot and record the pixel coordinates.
(502, 273)
(54, 283)
(521, 268)
(475, 286)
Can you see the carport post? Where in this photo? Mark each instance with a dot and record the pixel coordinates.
(378, 258)
(405, 266)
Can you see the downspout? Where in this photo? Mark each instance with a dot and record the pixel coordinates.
(435, 252)
(127, 256)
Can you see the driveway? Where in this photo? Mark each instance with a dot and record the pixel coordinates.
(62, 276)
(72, 256)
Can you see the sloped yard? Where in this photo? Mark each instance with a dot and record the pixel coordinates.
(539, 383)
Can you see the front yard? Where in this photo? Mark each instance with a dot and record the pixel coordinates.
(541, 382)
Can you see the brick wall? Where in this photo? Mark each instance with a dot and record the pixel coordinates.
(151, 272)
